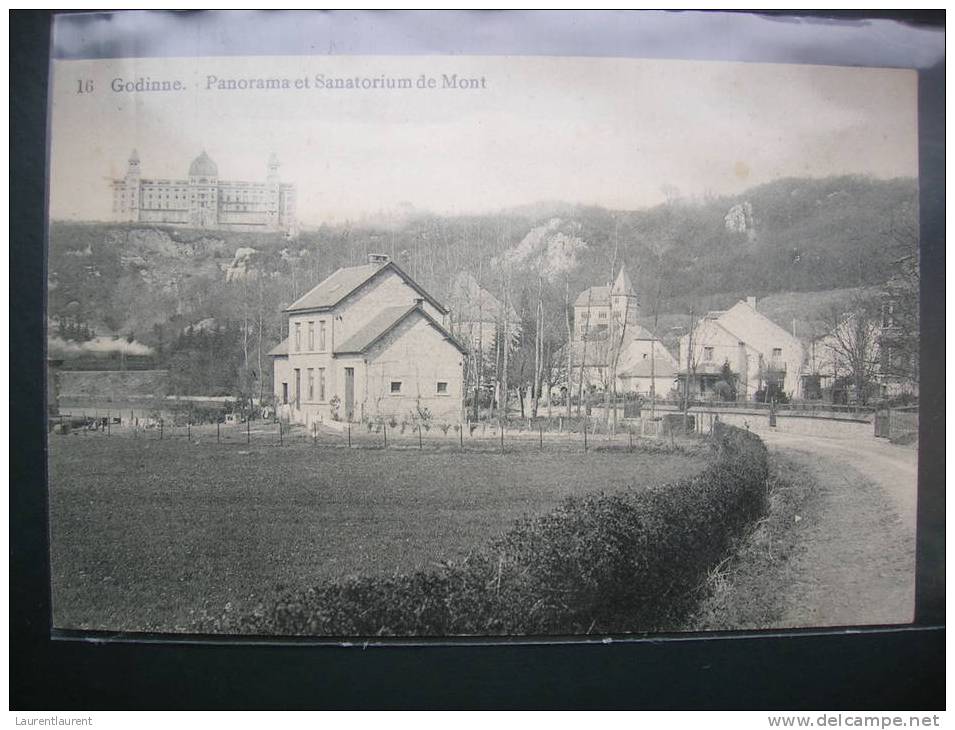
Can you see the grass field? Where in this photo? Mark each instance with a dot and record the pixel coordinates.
(148, 535)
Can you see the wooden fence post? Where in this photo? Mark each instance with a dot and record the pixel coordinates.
(281, 440)
(349, 435)
(109, 418)
(160, 429)
(461, 435)
(585, 435)
(384, 431)
(248, 431)
(502, 437)
(218, 433)
(189, 430)
(540, 432)
(419, 438)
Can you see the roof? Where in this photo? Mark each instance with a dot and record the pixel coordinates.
(470, 302)
(753, 327)
(623, 285)
(203, 166)
(383, 323)
(280, 350)
(595, 296)
(661, 368)
(347, 280)
(635, 331)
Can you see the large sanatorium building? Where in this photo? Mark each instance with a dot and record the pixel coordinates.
(368, 342)
(202, 200)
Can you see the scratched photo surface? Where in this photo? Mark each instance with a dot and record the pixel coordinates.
(353, 346)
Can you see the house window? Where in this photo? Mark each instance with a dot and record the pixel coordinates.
(284, 393)
(321, 384)
(298, 336)
(311, 385)
(602, 315)
(707, 354)
(395, 386)
(777, 352)
(311, 336)
(442, 388)
(321, 336)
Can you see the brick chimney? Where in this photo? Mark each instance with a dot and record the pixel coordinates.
(751, 301)
(378, 258)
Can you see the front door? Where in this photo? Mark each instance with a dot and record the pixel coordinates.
(298, 388)
(349, 393)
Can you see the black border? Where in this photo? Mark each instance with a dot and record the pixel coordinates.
(867, 669)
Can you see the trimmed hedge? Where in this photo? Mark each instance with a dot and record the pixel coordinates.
(628, 562)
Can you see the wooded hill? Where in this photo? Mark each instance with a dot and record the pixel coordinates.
(792, 235)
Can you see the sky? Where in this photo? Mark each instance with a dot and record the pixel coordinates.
(599, 131)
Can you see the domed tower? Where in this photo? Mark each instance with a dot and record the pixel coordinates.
(203, 192)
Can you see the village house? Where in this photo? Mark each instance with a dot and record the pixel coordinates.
(368, 342)
(597, 306)
(761, 355)
(644, 365)
(477, 316)
(605, 327)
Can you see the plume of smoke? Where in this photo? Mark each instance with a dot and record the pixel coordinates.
(103, 346)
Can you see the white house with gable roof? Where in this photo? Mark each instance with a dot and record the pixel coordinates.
(368, 342)
(759, 352)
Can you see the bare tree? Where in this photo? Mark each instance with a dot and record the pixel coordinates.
(852, 343)
(583, 355)
(570, 342)
(538, 343)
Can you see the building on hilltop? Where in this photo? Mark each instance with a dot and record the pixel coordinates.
(366, 343)
(202, 200)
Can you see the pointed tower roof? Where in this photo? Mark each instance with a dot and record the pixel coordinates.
(622, 285)
(274, 160)
(134, 156)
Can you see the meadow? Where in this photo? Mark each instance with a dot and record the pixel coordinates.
(151, 535)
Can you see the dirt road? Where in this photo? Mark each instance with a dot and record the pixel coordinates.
(857, 562)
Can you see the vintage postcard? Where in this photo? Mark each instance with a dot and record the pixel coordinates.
(414, 346)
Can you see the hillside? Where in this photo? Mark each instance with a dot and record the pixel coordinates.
(774, 241)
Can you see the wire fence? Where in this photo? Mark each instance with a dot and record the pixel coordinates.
(511, 436)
